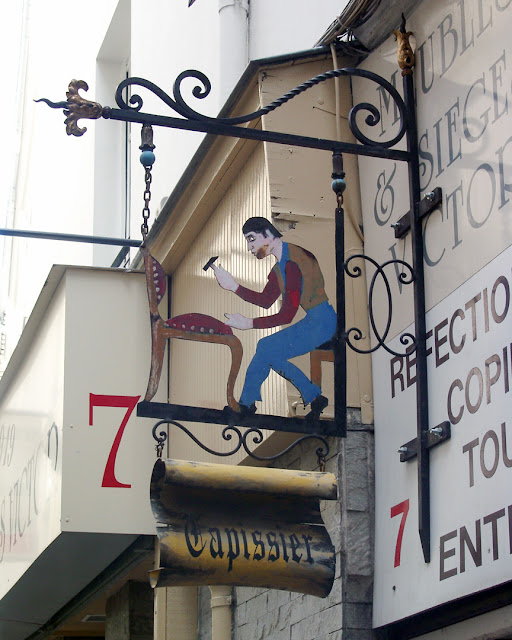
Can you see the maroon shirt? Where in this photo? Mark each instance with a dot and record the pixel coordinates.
(271, 292)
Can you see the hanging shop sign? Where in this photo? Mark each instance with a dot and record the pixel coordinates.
(242, 526)
(269, 353)
(297, 276)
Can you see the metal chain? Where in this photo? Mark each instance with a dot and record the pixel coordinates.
(145, 210)
(320, 454)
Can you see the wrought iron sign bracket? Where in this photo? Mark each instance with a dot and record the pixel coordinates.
(76, 107)
(163, 411)
(427, 204)
(435, 435)
(243, 440)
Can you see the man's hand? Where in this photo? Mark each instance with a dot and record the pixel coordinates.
(238, 321)
(224, 278)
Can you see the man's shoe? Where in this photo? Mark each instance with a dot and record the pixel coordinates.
(243, 412)
(317, 406)
(247, 410)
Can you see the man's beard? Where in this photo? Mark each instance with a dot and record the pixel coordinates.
(262, 252)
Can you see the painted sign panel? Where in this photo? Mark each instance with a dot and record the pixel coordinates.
(74, 457)
(463, 81)
(463, 86)
(470, 377)
(107, 366)
(242, 526)
(31, 451)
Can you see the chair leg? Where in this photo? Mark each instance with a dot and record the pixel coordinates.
(236, 359)
(157, 357)
(315, 358)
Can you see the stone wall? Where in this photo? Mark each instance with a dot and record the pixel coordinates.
(130, 613)
(346, 613)
(261, 614)
(204, 627)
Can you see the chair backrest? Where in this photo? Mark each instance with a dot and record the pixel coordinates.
(156, 280)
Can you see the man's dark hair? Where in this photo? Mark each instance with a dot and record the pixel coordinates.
(260, 225)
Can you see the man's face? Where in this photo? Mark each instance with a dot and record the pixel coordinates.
(259, 243)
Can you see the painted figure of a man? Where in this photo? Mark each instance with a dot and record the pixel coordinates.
(296, 276)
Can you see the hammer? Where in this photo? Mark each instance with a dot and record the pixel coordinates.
(209, 263)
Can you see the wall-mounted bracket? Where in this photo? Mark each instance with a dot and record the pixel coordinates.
(434, 436)
(244, 439)
(163, 411)
(426, 205)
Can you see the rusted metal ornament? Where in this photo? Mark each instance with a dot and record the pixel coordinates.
(78, 107)
(405, 54)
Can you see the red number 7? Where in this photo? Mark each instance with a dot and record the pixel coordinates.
(402, 508)
(128, 402)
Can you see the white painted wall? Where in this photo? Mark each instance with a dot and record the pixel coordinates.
(288, 25)
(168, 38)
(111, 174)
(49, 176)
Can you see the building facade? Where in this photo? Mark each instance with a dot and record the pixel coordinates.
(77, 460)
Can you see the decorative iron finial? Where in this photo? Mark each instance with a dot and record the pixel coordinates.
(405, 54)
(79, 107)
(76, 107)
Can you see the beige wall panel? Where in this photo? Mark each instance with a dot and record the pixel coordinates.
(199, 371)
(303, 202)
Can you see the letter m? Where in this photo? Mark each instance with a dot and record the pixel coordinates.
(385, 101)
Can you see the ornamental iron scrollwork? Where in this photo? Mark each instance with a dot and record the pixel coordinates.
(406, 276)
(76, 107)
(180, 106)
(243, 436)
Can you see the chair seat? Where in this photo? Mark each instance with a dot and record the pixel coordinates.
(199, 323)
(190, 326)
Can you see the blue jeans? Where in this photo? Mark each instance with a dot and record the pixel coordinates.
(274, 352)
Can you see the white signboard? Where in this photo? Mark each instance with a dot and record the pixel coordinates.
(470, 378)
(463, 81)
(106, 373)
(74, 457)
(31, 450)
